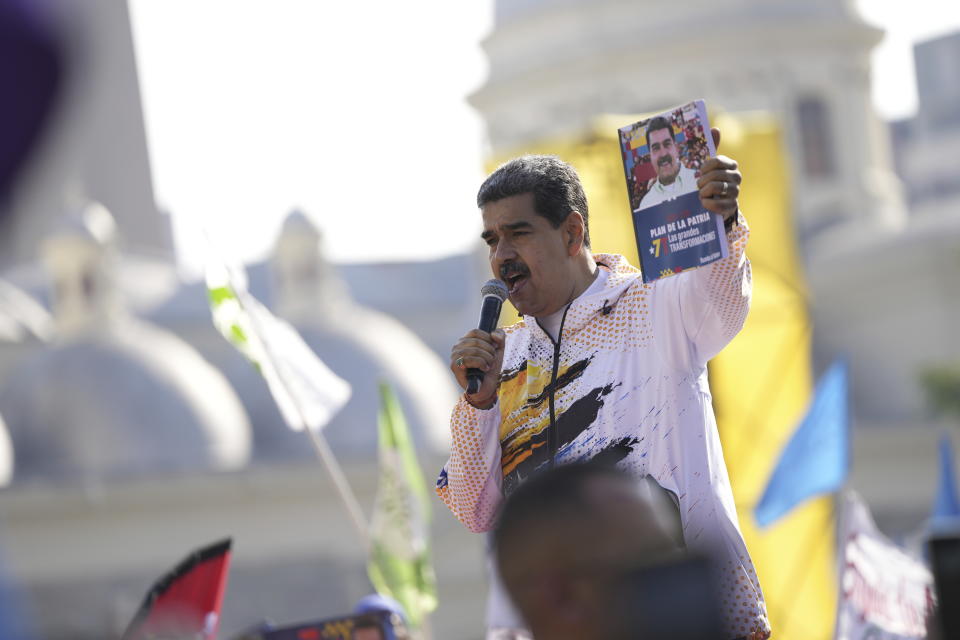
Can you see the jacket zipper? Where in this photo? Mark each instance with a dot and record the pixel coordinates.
(554, 437)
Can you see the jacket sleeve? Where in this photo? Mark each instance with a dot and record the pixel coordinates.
(696, 313)
(470, 482)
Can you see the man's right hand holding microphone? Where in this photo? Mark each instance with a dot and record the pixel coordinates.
(477, 357)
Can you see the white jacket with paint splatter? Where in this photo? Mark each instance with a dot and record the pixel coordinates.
(627, 380)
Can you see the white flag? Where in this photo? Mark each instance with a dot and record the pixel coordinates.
(307, 392)
(884, 592)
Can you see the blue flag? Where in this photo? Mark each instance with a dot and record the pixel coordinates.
(946, 504)
(816, 459)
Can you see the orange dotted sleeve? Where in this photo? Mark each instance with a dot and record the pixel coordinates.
(727, 285)
(710, 303)
(469, 484)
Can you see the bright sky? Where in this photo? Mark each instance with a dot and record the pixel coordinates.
(894, 85)
(355, 112)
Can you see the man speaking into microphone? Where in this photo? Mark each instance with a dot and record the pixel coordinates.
(601, 367)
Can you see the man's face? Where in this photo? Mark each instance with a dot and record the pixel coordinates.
(664, 155)
(528, 254)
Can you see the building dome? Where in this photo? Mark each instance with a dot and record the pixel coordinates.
(369, 347)
(136, 400)
(112, 395)
(360, 345)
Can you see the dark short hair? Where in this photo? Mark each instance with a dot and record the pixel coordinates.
(658, 123)
(554, 494)
(554, 184)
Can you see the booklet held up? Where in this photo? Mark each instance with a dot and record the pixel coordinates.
(662, 156)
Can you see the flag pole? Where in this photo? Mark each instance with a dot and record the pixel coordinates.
(336, 474)
(320, 445)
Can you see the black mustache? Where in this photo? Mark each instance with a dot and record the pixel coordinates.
(665, 160)
(513, 268)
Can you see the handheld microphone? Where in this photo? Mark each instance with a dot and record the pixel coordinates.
(494, 293)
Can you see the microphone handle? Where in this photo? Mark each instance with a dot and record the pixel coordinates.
(489, 314)
(474, 380)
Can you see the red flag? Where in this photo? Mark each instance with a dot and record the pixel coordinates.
(185, 602)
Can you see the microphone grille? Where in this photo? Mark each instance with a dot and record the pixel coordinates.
(494, 288)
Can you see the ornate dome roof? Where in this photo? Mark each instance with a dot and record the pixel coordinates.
(112, 395)
(370, 348)
(360, 345)
(132, 400)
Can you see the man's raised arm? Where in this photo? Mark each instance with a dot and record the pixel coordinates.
(709, 303)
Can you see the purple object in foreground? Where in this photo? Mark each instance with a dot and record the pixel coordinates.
(31, 69)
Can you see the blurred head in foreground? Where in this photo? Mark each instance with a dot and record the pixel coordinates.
(588, 551)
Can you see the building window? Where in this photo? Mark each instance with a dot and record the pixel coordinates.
(815, 138)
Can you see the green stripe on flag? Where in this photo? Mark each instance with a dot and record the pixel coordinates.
(220, 294)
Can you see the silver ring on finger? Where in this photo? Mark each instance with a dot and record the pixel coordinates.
(723, 189)
(460, 362)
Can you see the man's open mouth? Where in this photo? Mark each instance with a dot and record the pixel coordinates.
(514, 277)
(515, 282)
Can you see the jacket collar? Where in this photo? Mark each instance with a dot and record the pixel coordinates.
(622, 275)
